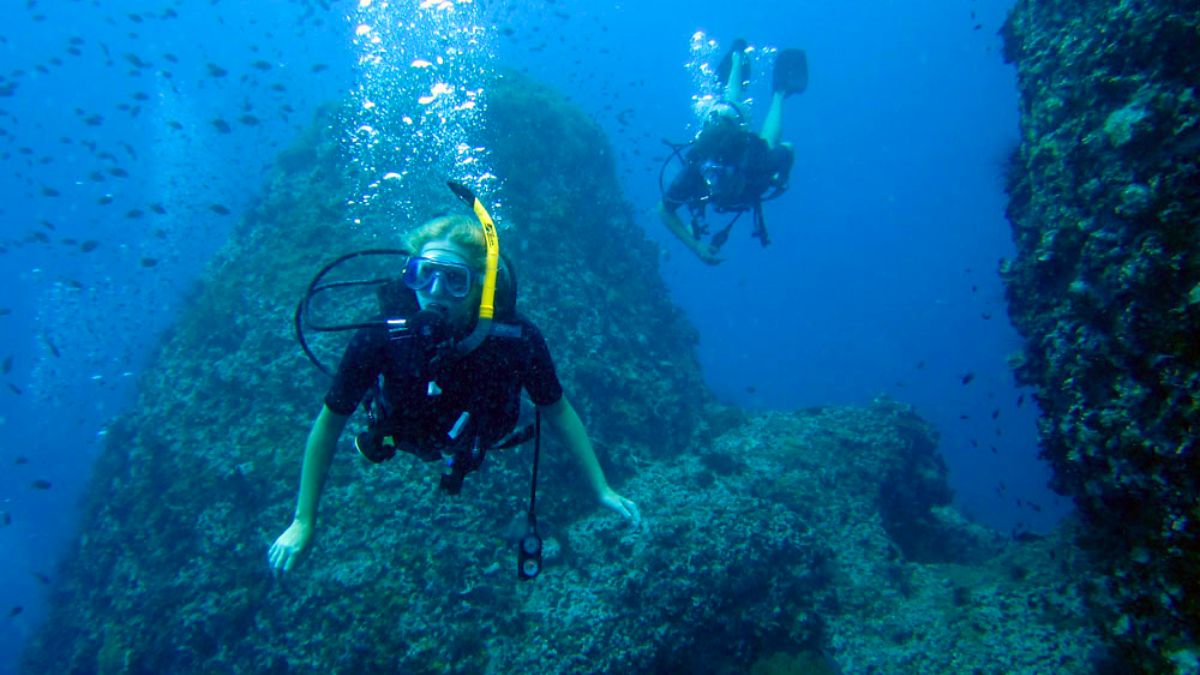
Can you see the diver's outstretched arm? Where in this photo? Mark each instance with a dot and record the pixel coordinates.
(318, 455)
(703, 250)
(562, 417)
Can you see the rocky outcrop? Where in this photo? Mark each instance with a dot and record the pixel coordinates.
(1105, 192)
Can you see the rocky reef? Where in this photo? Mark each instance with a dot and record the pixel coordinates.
(1105, 209)
(808, 541)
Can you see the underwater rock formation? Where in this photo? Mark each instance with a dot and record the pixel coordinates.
(1105, 208)
(813, 537)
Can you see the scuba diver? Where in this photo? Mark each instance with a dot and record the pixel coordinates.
(442, 377)
(728, 166)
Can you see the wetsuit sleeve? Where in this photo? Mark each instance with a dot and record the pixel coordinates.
(540, 378)
(358, 371)
(687, 186)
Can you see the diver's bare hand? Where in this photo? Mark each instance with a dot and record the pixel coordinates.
(708, 253)
(289, 547)
(622, 506)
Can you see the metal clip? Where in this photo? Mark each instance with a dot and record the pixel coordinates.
(457, 429)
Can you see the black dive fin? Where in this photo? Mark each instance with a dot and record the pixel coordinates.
(791, 72)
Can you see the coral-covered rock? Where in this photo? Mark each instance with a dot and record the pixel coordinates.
(1105, 194)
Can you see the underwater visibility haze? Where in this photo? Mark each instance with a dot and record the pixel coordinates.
(942, 422)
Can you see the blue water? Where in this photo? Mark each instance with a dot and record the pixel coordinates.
(881, 278)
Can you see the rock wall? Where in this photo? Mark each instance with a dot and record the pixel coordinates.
(1105, 209)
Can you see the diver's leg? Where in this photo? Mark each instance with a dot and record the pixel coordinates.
(734, 71)
(735, 86)
(772, 128)
(790, 77)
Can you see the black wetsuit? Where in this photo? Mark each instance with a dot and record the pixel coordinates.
(485, 383)
(730, 168)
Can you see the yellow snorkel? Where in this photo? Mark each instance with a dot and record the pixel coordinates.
(487, 303)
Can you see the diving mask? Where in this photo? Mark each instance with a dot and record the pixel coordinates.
(455, 278)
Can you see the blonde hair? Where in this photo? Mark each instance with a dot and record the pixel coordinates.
(460, 230)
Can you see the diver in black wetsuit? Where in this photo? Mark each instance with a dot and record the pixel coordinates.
(729, 167)
(444, 378)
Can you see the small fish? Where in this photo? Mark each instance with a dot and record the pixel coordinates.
(21, 460)
(219, 209)
(158, 208)
(967, 377)
(105, 200)
(50, 344)
(149, 262)
(995, 413)
(15, 389)
(17, 609)
(6, 518)
(261, 65)
(985, 315)
(221, 126)
(89, 246)
(41, 577)
(249, 120)
(40, 484)
(7, 367)
(118, 172)
(50, 192)
(1020, 400)
(318, 67)
(134, 213)
(216, 71)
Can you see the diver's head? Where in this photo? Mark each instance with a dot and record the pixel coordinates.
(446, 270)
(724, 114)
